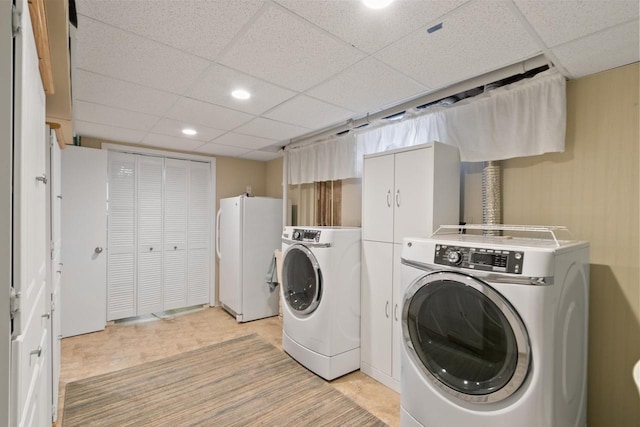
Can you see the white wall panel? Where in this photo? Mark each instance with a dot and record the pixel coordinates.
(175, 233)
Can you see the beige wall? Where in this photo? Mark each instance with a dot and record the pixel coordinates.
(593, 188)
(274, 178)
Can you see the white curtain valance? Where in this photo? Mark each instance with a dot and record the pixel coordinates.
(526, 118)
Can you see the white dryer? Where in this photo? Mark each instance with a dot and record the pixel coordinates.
(494, 330)
(321, 294)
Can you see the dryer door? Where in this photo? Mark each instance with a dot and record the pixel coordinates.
(465, 337)
(301, 280)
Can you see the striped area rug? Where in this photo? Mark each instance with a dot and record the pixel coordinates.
(242, 382)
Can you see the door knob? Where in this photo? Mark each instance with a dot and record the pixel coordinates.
(37, 351)
(42, 178)
(98, 250)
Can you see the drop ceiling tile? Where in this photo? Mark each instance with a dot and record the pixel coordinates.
(477, 38)
(308, 112)
(111, 133)
(202, 28)
(221, 150)
(368, 29)
(243, 141)
(367, 86)
(170, 142)
(261, 156)
(213, 116)
(174, 128)
(100, 89)
(265, 128)
(96, 113)
(117, 53)
(601, 51)
(287, 50)
(558, 22)
(217, 83)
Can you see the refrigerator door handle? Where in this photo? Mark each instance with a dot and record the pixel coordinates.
(218, 233)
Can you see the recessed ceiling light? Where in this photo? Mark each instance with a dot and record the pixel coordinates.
(189, 132)
(241, 94)
(377, 4)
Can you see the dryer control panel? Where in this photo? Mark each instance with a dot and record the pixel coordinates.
(302, 235)
(498, 260)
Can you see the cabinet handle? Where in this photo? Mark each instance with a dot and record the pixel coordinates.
(395, 312)
(389, 198)
(37, 351)
(386, 310)
(46, 316)
(398, 198)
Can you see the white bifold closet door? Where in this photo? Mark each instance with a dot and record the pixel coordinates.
(199, 238)
(159, 253)
(176, 184)
(150, 239)
(121, 253)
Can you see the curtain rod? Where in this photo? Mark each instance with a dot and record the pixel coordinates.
(490, 77)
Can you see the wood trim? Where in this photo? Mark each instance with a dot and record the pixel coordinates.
(41, 33)
(59, 136)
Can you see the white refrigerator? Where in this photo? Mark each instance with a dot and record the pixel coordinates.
(249, 231)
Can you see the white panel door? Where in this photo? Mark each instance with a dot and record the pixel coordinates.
(413, 197)
(55, 200)
(150, 246)
(84, 231)
(175, 232)
(30, 341)
(199, 234)
(377, 305)
(377, 199)
(121, 253)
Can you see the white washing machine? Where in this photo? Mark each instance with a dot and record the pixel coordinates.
(494, 330)
(321, 294)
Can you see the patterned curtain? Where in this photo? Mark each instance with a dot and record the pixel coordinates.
(328, 203)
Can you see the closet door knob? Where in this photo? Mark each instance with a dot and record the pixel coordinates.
(42, 178)
(151, 248)
(37, 351)
(98, 250)
(175, 248)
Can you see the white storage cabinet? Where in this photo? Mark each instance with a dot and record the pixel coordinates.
(406, 192)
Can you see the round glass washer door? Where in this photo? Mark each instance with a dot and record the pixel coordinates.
(465, 337)
(301, 280)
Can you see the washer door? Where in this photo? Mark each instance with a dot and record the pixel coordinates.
(301, 280)
(465, 337)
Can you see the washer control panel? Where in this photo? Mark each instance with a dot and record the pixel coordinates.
(303, 235)
(498, 260)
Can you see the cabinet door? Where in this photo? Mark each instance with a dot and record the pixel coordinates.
(377, 308)
(377, 199)
(199, 234)
(150, 247)
(121, 241)
(397, 312)
(413, 196)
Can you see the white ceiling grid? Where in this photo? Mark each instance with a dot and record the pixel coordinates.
(148, 68)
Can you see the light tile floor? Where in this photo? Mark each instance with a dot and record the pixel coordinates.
(123, 345)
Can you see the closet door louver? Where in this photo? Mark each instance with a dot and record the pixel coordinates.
(199, 233)
(150, 247)
(121, 270)
(175, 233)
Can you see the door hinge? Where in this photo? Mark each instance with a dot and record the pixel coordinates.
(16, 18)
(52, 249)
(53, 304)
(14, 303)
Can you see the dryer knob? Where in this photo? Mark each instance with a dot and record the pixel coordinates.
(454, 257)
(296, 235)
